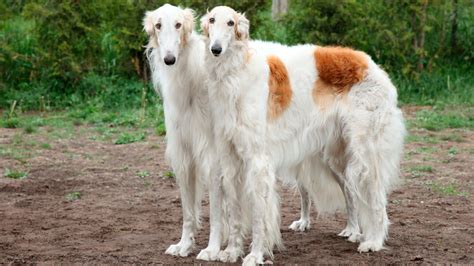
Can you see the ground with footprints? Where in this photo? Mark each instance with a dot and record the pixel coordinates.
(84, 199)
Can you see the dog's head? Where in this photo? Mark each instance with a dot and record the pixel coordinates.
(169, 28)
(222, 26)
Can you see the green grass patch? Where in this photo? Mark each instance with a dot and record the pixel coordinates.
(422, 168)
(449, 83)
(10, 123)
(160, 130)
(168, 174)
(453, 151)
(73, 196)
(127, 138)
(427, 149)
(436, 120)
(413, 138)
(15, 153)
(143, 174)
(425, 139)
(45, 146)
(29, 129)
(14, 174)
(447, 189)
(453, 137)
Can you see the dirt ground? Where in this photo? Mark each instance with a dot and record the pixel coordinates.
(129, 210)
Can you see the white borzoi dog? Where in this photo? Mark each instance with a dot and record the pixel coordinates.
(175, 54)
(302, 111)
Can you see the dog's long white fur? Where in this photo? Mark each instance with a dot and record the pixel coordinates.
(190, 146)
(356, 141)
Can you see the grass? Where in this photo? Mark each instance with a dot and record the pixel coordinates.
(45, 146)
(425, 139)
(453, 151)
(168, 174)
(127, 138)
(453, 137)
(10, 123)
(143, 174)
(29, 129)
(422, 168)
(426, 149)
(449, 83)
(419, 170)
(447, 189)
(443, 118)
(14, 174)
(73, 196)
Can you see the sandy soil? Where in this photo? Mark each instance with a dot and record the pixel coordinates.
(125, 217)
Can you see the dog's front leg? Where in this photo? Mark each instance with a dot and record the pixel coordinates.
(265, 213)
(232, 183)
(215, 216)
(303, 223)
(181, 163)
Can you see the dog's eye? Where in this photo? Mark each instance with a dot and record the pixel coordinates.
(230, 23)
(158, 26)
(212, 20)
(178, 25)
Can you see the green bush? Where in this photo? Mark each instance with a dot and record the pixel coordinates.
(64, 53)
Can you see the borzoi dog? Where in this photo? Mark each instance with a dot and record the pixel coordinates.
(175, 54)
(303, 109)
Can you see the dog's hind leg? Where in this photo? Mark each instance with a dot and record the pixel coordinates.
(374, 151)
(303, 223)
(371, 201)
(187, 183)
(352, 230)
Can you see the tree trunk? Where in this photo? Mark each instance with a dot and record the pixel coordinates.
(279, 8)
(421, 41)
(454, 24)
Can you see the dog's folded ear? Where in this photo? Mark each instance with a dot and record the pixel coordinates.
(205, 25)
(188, 24)
(242, 27)
(148, 25)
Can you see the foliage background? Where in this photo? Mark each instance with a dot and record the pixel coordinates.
(71, 53)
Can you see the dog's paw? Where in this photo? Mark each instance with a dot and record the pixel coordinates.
(355, 237)
(208, 254)
(253, 259)
(352, 233)
(300, 225)
(367, 246)
(180, 249)
(230, 255)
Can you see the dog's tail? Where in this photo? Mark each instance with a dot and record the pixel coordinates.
(322, 185)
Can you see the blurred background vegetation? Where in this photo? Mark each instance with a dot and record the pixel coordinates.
(88, 55)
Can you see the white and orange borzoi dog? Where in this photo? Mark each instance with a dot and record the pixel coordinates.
(176, 56)
(304, 108)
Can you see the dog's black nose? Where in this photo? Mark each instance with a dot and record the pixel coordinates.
(216, 49)
(170, 60)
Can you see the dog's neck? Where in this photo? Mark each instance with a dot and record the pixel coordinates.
(224, 82)
(227, 65)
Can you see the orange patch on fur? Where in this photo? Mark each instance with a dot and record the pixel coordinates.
(279, 95)
(339, 69)
(339, 66)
